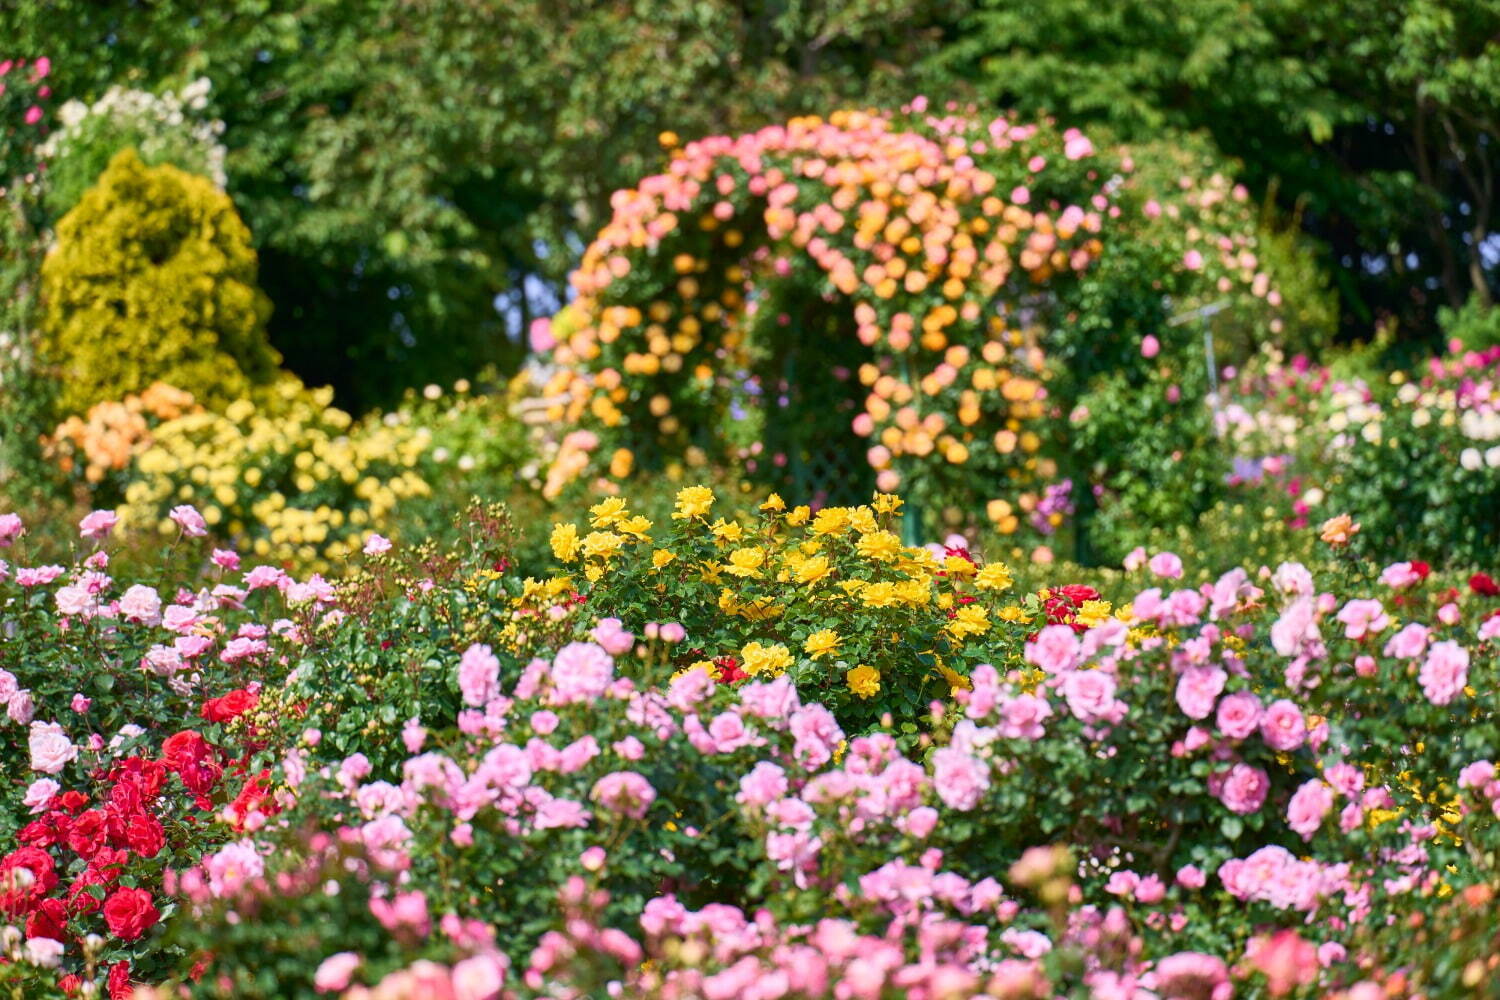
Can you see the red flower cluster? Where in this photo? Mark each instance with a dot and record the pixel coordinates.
(107, 835)
(230, 706)
(1062, 607)
(1484, 585)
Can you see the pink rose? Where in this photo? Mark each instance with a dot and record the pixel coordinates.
(1282, 726)
(1239, 715)
(624, 792)
(97, 525)
(1309, 804)
(1445, 672)
(1197, 690)
(479, 675)
(1166, 565)
(189, 520)
(960, 779)
(1244, 789)
(1091, 696)
(336, 971)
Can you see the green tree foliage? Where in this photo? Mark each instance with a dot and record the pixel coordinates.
(1375, 120)
(406, 163)
(153, 278)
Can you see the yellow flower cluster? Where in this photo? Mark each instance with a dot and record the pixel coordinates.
(833, 594)
(298, 480)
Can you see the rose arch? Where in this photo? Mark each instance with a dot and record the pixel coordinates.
(834, 305)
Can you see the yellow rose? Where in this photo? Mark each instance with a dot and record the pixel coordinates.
(821, 643)
(864, 681)
(565, 542)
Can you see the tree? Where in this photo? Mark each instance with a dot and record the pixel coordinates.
(1373, 121)
(406, 163)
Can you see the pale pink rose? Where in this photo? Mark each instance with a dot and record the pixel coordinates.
(1445, 672)
(39, 793)
(20, 707)
(141, 604)
(51, 750)
(226, 559)
(377, 545)
(97, 524)
(1192, 260)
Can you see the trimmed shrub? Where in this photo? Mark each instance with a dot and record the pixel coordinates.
(153, 279)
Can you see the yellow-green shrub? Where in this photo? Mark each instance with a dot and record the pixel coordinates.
(293, 479)
(153, 279)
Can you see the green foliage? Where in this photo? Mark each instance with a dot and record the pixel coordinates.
(1146, 441)
(403, 164)
(161, 128)
(153, 278)
(1373, 122)
(1475, 326)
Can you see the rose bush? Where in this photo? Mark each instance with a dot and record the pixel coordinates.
(438, 777)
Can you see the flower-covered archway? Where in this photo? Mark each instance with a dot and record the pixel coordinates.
(925, 262)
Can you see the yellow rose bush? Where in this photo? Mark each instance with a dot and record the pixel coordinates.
(833, 599)
(298, 479)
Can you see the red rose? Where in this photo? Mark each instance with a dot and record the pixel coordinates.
(80, 900)
(50, 920)
(189, 755)
(1484, 585)
(1422, 570)
(230, 706)
(72, 801)
(1078, 593)
(87, 834)
(44, 832)
(129, 914)
(43, 871)
(70, 984)
(143, 834)
(119, 982)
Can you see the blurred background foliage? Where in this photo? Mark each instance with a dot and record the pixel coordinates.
(404, 163)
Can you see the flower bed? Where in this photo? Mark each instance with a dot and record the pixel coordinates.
(440, 780)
